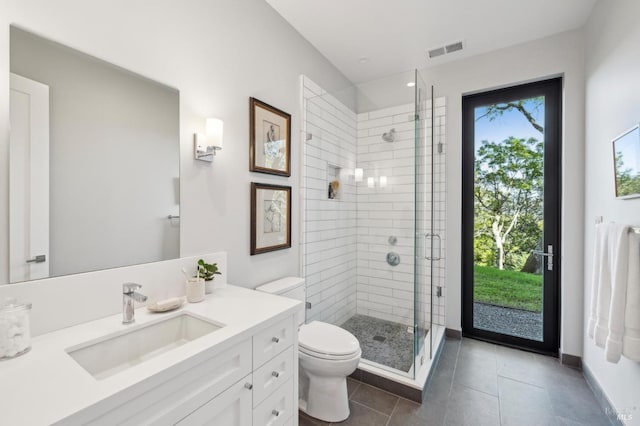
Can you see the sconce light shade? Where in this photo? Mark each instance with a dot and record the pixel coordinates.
(214, 132)
(207, 144)
(358, 173)
(383, 181)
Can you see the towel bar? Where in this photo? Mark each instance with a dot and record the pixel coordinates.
(635, 229)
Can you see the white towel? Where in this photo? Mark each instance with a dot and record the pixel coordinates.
(631, 338)
(600, 273)
(618, 249)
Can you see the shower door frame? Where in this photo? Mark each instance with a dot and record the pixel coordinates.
(422, 327)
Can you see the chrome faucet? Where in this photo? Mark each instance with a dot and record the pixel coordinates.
(129, 295)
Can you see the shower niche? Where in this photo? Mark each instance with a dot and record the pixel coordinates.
(334, 176)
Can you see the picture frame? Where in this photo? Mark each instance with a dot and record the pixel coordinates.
(269, 140)
(270, 217)
(626, 164)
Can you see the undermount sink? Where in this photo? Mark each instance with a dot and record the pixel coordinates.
(114, 353)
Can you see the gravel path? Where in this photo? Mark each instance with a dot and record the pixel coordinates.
(514, 322)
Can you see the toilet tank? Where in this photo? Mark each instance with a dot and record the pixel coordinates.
(292, 287)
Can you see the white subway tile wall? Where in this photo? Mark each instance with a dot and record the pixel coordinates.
(329, 225)
(346, 240)
(386, 210)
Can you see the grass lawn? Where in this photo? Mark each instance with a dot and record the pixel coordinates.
(508, 288)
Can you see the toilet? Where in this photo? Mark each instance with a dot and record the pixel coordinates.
(327, 355)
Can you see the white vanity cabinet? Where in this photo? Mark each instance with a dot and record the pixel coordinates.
(265, 397)
(250, 383)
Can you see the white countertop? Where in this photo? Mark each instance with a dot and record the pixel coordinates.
(46, 385)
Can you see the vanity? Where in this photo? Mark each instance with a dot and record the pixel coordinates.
(240, 369)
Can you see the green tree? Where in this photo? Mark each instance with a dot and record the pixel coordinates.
(627, 180)
(508, 197)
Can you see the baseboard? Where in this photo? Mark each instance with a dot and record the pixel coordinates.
(453, 334)
(602, 399)
(572, 361)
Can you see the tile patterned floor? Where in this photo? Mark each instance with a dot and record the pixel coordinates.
(385, 342)
(476, 383)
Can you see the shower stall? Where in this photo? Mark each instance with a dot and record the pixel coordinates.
(373, 215)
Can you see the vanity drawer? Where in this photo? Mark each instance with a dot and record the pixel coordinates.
(271, 375)
(271, 341)
(231, 408)
(277, 409)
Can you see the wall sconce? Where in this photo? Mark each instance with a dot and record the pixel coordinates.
(358, 173)
(208, 143)
(383, 181)
(371, 183)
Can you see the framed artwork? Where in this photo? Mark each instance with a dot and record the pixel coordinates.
(270, 139)
(626, 163)
(270, 217)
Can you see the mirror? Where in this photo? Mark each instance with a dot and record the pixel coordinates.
(626, 160)
(93, 164)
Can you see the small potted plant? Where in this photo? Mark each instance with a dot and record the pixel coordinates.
(208, 271)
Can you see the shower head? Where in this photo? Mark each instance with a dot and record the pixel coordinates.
(389, 136)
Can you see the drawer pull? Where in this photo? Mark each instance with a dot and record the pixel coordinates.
(275, 374)
(275, 340)
(275, 412)
(248, 385)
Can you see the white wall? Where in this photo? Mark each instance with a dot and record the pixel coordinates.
(217, 54)
(612, 106)
(560, 54)
(329, 258)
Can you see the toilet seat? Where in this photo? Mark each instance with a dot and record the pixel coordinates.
(328, 357)
(326, 341)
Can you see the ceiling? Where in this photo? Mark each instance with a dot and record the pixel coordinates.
(394, 35)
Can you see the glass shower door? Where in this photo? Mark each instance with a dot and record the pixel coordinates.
(423, 234)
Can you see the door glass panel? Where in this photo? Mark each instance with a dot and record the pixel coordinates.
(423, 208)
(508, 218)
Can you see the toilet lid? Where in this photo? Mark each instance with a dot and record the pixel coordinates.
(323, 338)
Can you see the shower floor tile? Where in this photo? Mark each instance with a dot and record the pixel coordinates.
(384, 342)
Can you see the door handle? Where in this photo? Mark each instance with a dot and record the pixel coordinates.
(548, 254)
(41, 258)
(439, 255)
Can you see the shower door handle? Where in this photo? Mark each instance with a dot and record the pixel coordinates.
(439, 256)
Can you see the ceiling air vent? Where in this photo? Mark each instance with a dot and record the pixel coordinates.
(436, 52)
(453, 47)
(449, 48)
